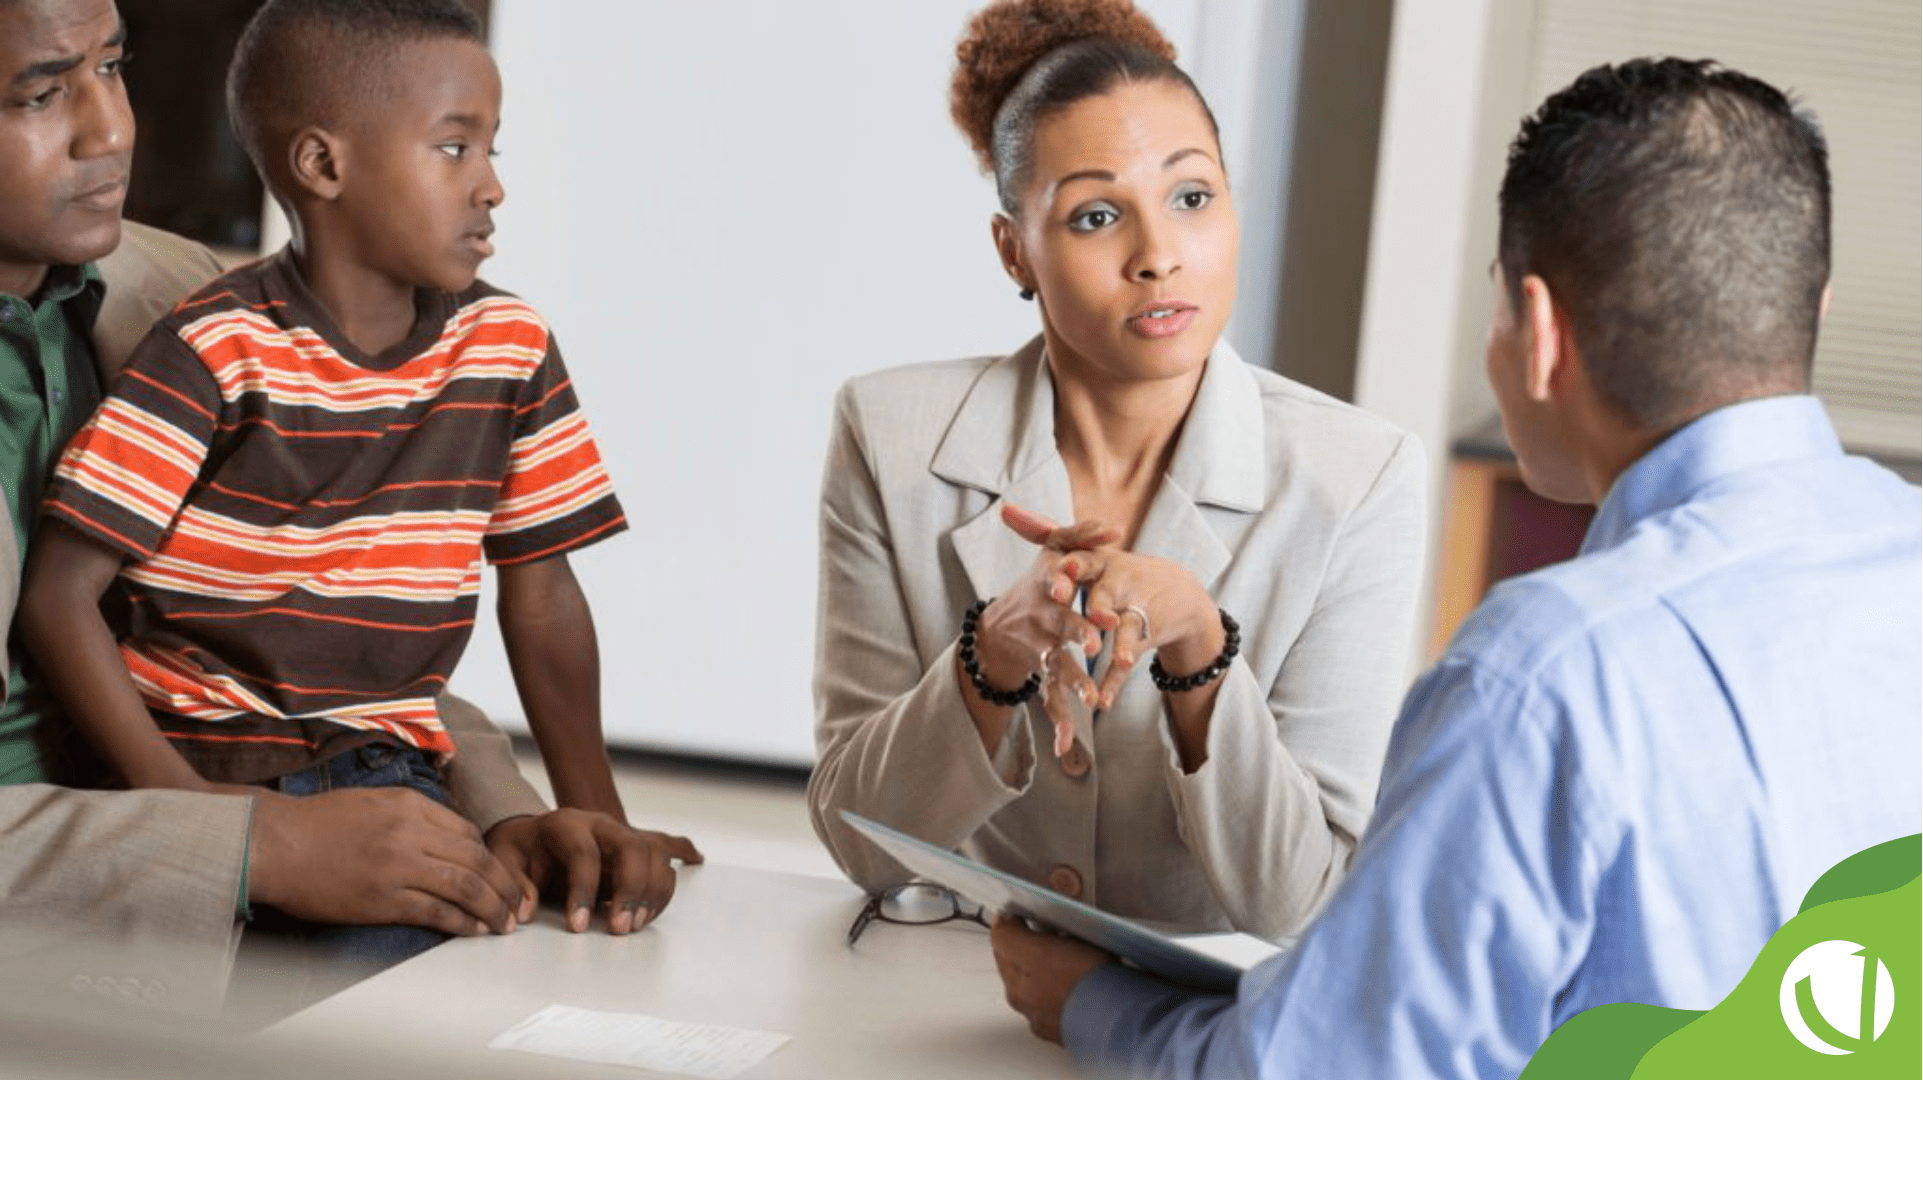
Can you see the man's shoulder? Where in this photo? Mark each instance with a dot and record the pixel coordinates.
(1702, 561)
(147, 275)
(1530, 625)
(153, 260)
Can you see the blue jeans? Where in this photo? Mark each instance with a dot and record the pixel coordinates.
(369, 766)
(312, 960)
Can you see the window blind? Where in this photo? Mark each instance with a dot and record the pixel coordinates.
(1855, 63)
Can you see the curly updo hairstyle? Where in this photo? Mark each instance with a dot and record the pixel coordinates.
(1020, 60)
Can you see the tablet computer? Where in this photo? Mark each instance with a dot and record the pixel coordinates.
(1140, 946)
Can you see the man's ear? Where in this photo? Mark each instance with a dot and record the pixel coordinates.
(1545, 337)
(316, 162)
(1008, 244)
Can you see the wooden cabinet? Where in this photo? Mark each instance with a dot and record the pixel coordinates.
(1494, 528)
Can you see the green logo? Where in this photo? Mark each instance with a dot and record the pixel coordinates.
(1834, 994)
(1857, 997)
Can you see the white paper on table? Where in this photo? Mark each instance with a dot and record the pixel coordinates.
(700, 1050)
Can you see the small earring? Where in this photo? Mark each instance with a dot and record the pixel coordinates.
(1028, 294)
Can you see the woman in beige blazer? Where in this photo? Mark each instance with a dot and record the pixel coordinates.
(1227, 790)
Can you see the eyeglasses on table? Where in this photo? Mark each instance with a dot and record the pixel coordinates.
(914, 904)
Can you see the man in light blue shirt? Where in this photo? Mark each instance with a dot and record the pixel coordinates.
(1627, 770)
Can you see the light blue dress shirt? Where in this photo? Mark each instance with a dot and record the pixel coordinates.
(1616, 785)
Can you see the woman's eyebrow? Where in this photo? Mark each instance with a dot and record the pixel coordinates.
(1092, 173)
(1108, 177)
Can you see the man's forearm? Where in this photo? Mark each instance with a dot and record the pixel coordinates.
(1122, 1022)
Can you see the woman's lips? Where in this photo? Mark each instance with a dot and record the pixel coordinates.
(1163, 319)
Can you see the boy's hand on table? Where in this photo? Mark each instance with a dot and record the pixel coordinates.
(571, 853)
(387, 855)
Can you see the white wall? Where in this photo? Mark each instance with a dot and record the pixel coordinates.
(1414, 302)
(724, 210)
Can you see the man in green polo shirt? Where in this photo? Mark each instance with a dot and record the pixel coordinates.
(135, 894)
(64, 178)
(49, 384)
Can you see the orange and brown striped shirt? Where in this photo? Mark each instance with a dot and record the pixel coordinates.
(305, 524)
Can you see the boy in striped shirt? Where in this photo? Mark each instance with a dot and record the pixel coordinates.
(295, 480)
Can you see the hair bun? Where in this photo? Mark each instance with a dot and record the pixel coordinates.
(1005, 39)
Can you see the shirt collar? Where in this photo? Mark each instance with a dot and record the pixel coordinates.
(89, 293)
(64, 282)
(1722, 442)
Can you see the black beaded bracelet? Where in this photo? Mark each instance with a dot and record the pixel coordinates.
(966, 650)
(1231, 644)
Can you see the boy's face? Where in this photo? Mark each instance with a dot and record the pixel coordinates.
(419, 188)
(66, 136)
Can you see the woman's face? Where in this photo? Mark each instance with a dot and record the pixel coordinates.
(1127, 235)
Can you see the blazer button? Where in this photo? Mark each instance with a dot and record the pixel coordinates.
(1065, 881)
(1075, 761)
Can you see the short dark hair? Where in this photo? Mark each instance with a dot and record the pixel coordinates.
(1020, 60)
(1680, 212)
(324, 63)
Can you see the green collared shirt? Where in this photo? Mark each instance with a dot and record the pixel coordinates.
(49, 387)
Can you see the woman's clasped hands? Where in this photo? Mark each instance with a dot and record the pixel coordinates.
(1142, 604)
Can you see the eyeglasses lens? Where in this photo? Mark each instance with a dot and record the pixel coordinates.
(919, 903)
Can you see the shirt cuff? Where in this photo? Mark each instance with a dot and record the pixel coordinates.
(1107, 1014)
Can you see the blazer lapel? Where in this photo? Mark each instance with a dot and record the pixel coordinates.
(1002, 442)
(1220, 460)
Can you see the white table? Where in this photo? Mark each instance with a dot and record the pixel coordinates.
(749, 948)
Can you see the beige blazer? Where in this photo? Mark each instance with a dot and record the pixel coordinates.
(130, 896)
(1302, 516)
